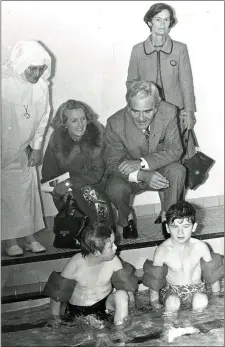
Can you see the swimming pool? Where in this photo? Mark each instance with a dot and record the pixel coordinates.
(28, 328)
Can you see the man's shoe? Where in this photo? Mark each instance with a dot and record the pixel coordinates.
(158, 220)
(130, 230)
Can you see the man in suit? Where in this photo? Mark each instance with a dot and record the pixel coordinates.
(142, 150)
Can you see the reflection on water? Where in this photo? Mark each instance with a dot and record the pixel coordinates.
(28, 328)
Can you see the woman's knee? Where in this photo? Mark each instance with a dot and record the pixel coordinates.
(199, 301)
(172, 303)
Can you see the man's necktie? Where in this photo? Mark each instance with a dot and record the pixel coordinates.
(147, 133)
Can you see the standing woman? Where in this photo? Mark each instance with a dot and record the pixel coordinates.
(25, 113)
(166, 62)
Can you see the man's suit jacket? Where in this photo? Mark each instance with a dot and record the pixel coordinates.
(124, 140)
(175, 70)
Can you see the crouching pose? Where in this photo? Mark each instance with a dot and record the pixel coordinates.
(94, 282)
(179, 264)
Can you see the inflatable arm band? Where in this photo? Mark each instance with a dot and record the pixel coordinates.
(59, 288)
(212, 270)
(154, 276)
(125, 278)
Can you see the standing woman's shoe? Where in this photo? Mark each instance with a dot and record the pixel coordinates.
(34, 247)
(14, 251)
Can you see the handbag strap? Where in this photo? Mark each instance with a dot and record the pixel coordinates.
(194, 138)
(195, 141)
(67, 205)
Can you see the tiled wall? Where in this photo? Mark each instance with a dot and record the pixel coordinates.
(205, 202)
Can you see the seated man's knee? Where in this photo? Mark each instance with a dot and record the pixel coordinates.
(116, 188)
(175, 171)
(199, 301)
(172, 303)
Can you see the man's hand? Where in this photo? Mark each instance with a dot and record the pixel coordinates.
(154, 179)
(62, 187)
(129, 166)
(34, 158)
(188, 118)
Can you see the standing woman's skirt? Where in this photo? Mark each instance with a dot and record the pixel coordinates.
(20, 204)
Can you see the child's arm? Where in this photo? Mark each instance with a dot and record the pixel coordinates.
(206, 256)
(55, 311)
(216, 288)
(55, 308)
(158, 260)
(124, 279)
(57, 288)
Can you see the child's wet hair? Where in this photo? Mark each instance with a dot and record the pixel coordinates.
(93, 238)
(180, 210)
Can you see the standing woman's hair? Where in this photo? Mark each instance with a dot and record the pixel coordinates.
(157, 8)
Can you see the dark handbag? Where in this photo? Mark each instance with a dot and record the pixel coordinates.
(197, 166)
(68, 226)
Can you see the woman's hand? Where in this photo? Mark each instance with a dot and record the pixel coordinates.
(62, 187)
(34, 158)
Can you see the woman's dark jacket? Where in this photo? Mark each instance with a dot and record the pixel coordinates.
(83, 159)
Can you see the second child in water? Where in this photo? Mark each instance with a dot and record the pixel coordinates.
(179, 264)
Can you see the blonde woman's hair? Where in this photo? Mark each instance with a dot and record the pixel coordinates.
(60, 118)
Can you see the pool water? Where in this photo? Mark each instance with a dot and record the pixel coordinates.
(28, 328)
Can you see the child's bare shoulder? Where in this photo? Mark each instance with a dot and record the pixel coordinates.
(72, 265)
(161, 253)
(199, 245)
(76, 258)
(116, 264)
(164, 246)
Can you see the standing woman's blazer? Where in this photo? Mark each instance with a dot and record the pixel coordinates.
(174, 66)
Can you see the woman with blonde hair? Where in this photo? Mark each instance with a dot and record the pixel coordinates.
(76, 146)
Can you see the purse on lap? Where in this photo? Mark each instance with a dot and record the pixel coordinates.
(197, 166)
(68, 226)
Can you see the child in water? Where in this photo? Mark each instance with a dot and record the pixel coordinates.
(175, 275)
(94, 281)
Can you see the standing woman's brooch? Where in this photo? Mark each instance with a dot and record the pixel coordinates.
(173, 62)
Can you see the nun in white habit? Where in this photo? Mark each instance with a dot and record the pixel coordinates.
(25, 113)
